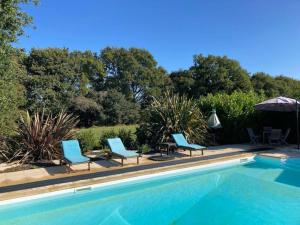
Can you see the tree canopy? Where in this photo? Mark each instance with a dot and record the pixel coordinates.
(12, 23)
(275, 86)
(211, 74)
(134, 72)
(215, 74)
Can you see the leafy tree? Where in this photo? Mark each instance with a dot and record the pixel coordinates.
(88, 111)
(90, 70)
(288, 86)
(56, 76)
(134, 72)
(119, 110)
(215, 74)
(183, 82)
(264, 83)
(12, 22)
(51, 82)
(275, 86)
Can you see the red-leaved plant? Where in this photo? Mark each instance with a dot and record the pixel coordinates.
(40, 136)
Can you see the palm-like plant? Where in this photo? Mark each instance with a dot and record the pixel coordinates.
(169, 114)
(40, 136)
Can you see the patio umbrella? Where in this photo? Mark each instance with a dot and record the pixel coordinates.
(213, 121)
(281, 104)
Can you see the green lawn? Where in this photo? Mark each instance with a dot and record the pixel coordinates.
(98, 131)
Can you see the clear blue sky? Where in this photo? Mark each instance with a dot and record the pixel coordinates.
(264, 35)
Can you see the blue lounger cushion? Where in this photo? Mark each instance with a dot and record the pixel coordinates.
(182, 142)
(196, 147)
(72, 152)
(117, 147)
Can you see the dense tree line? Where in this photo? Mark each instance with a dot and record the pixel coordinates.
(111, 86)
(214, 74)
(105, 88)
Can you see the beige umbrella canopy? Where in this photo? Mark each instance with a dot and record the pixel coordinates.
(279, 104)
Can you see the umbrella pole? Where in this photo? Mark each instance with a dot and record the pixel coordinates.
(297, 116)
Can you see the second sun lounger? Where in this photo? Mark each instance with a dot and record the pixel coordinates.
(181, 142)
(72, 153)
(117, 148)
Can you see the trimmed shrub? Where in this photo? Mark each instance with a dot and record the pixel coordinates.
(88, 140)
(105, 136)
(127, 137)
(144, 149)
(236, 112)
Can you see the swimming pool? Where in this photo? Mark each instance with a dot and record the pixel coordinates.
(259, 191)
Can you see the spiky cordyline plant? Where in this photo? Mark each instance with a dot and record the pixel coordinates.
(40, 136)
(173, 113)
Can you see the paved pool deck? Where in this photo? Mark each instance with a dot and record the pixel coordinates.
(43, 180)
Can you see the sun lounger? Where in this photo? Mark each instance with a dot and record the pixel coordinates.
(181, 142)
(117, 148)
(72, 153)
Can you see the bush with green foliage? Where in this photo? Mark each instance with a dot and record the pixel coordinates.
(170, 114)
(105, 136)
(127, 136)
(88, 140)
(236, 112)
(144, 149)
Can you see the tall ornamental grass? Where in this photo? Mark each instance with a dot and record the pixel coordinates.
(169, 114)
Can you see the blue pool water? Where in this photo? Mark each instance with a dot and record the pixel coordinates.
(263, 192)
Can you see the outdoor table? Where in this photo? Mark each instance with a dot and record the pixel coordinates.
(267, 133)
(168, 146)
